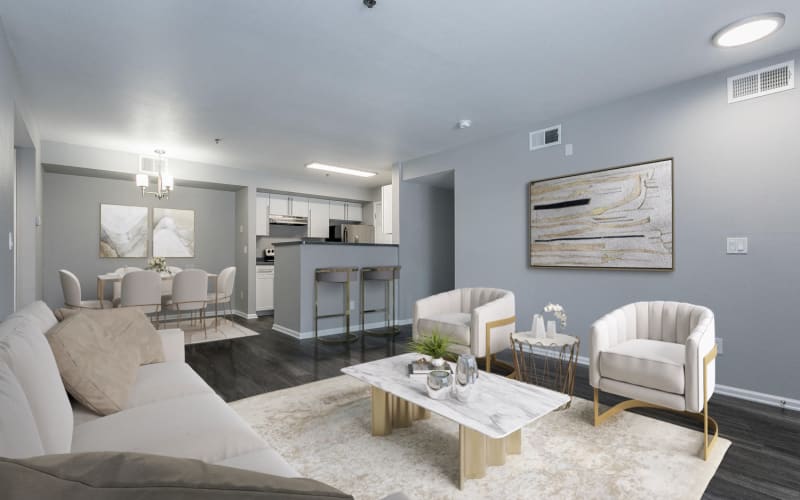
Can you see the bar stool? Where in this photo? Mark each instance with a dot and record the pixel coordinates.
(388, 275)
(342, 276)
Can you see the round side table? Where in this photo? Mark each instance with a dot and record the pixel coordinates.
(547, 362)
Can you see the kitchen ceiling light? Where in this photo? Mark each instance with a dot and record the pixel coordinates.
(340, 170)
(748, 30)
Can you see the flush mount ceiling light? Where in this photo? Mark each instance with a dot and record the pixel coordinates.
(340, 170)
(748, 30)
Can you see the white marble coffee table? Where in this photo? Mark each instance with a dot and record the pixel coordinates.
(490, 423)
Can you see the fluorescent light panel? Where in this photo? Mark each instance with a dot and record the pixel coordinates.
(340, 170)
(749, 30)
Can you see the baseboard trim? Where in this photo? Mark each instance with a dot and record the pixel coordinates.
(331, 331)
(724, 390)
(244, 315)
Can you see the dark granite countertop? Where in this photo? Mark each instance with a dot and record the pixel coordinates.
(290, 243)
(261, 261)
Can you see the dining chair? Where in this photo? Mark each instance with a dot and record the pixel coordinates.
(142, 289)
(71, 287)
(166, 285)
(223, 292)
(116, 292)
(190, 294)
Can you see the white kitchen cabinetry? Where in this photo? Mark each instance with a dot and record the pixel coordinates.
(353, 212)
(377, 221)
(386, 208)
(262, 215)
(298, 207)
(318, 218)
(337, 210)
(265, 283)
(278, 204)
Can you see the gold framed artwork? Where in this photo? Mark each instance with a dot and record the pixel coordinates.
(616, 218)
(123, 231)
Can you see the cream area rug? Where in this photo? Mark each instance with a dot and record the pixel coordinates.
(194, 334)
(323, 430)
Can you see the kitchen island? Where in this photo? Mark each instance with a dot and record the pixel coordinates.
(295, 263)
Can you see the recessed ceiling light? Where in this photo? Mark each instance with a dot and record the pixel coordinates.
(340, 170)
(748, 30)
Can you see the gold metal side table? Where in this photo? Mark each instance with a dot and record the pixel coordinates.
(547, 362)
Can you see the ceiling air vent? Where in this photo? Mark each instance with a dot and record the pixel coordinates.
(545, 137)
(761, 82)
(148, 165)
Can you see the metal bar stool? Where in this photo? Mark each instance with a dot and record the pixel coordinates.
(388, 275)
(339, 275)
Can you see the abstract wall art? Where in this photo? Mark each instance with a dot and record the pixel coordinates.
(617, 218)
(173, 232)
(123, 231)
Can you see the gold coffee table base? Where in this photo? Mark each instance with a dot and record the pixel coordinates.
(476, 450)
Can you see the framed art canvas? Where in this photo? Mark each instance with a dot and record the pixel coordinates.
(123, 231)
(617, 218)
(173, 232)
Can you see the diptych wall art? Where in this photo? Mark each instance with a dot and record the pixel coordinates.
(618, 218)
(173, 232)
(123, 231)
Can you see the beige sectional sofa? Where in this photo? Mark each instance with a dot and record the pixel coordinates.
(171, 410)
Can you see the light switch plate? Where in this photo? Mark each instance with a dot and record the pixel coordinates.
(568, 150)
(735, 246)
(719, 345)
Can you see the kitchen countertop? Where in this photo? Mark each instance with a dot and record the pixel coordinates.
(331, 243)
(263, 262)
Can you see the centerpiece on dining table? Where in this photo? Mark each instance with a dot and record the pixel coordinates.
(157, 264)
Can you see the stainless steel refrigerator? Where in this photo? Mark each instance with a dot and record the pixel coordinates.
(355, 233)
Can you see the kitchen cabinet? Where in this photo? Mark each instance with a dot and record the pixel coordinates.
(353, 212)
(279, 204)
(337, 210)
(386, 208)
(262, 215)
(318, 218)
(298, 207)
(377, 221)
(265, 284)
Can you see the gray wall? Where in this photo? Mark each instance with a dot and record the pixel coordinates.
(71, 224)
(737, 172)
(244, 288)
(29, 235)
(427, 247)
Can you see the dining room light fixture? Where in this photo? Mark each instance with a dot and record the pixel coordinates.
(748, 30)
(340, 170)
(165, 183)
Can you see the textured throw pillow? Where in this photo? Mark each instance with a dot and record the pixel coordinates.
(126, 322)
(123, 476)
(98, 368)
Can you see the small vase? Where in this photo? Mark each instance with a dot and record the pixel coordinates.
(437, 362)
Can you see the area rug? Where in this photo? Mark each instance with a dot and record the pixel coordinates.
(323, 430)
(225, 330)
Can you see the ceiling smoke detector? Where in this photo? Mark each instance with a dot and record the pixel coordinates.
(370, 3)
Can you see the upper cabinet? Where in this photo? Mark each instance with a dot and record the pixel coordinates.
(386, 208)
(353, 212)
(262, 215)
(279, 204)
(337, 210)
(318, 218)
(298, 207)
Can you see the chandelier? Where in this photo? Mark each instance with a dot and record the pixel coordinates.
(165, 184)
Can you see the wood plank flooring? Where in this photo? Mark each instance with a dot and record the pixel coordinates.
(762, 463)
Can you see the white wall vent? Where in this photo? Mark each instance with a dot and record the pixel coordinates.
(761, 82)
(148, 165)
(545, 137)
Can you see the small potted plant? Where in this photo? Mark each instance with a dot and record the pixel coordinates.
(434, 346)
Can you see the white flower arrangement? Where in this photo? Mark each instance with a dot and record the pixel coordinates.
(558, 312)
(158, 264)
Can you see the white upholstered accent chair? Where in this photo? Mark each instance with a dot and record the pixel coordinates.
(659, 355)
(116, 292)
(223, 292)
(71, 287)
(142, 289)
(190, 294)
(478, 321)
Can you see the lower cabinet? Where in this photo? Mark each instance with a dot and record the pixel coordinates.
(265, 284)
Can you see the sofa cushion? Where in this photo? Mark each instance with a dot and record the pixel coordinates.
(647, 363)
(98, 368)
(24, 349)
(127, 322)
(38, 312)
(19, 437)
(454, 326)
(123, 476)
(265, 460)
(201, 426)
(163, 381)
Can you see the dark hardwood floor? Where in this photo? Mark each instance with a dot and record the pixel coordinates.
(762, 463)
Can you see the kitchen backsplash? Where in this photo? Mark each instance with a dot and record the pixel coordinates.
(279, 234)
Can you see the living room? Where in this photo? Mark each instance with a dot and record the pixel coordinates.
(590, 190)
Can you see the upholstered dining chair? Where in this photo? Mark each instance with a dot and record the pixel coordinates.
(166, 285)
(659, 355)
(71, 287)
(223, 292)
(477, 321)
(190, 294)
(116, 291)
(142, 289)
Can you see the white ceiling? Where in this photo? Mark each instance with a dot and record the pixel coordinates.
(294, 81)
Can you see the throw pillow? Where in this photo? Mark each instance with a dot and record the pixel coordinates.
(127, 322)
(98, 368)
(123, 476)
